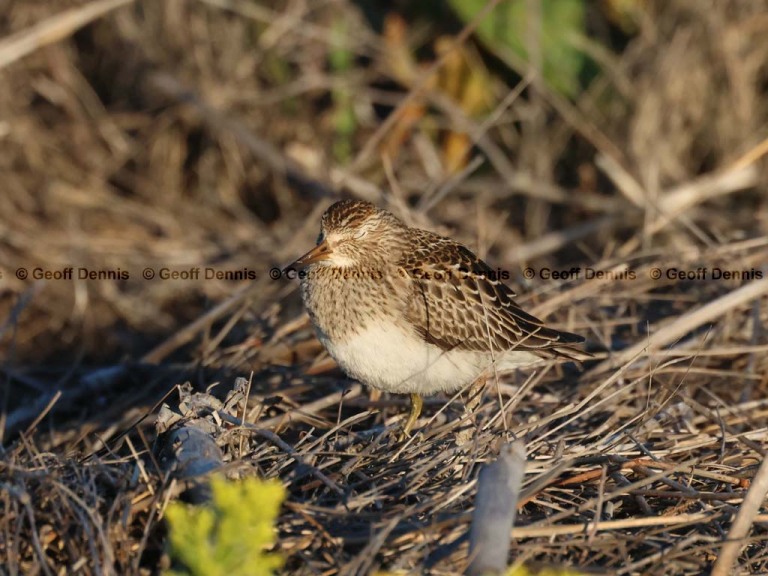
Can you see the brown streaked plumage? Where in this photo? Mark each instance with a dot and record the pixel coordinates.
(470, 308)
(409, 311)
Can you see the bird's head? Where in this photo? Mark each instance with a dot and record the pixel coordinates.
(353, 230)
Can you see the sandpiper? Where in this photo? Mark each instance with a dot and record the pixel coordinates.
(409, 311)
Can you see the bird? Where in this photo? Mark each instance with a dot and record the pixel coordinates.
(408, 311)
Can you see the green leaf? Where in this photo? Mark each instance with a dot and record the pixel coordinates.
(562, 26)
(228, 536)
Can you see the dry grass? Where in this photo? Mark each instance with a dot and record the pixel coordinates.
(200, 134)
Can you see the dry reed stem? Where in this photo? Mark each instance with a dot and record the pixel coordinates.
(54, 29)
(747, 515)
(690, 321)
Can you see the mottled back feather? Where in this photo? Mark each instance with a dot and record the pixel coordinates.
(457, 302)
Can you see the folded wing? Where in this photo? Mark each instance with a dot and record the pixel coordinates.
(456, 302)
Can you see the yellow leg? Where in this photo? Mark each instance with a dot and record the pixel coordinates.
(416, 404)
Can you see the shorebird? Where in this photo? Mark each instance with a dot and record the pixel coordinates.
(409, 311)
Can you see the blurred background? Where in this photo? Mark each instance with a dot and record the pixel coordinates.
(191, 134)
(160, 161)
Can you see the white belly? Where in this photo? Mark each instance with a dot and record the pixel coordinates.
(390, 359)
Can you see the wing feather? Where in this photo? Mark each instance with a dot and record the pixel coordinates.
(456, 302)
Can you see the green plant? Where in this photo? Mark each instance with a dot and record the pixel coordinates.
(342, 61)
(229, 535)
(562, 29)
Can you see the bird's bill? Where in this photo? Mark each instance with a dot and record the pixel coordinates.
(320, 252)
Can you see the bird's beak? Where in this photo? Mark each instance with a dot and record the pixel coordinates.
(320, 252)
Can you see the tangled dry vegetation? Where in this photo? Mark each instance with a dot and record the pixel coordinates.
(211, 133)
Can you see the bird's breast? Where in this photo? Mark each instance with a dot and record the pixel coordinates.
(344, 301)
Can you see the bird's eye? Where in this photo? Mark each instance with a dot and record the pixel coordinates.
(359, 234)
(320, 238)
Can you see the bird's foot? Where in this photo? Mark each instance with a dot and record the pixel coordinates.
(416, 404)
